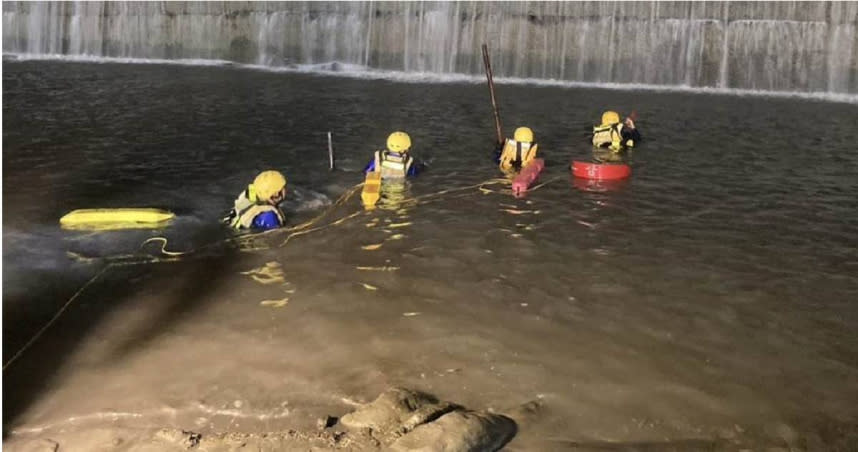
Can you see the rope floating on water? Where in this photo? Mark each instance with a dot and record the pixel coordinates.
(294, 231)
(54, 318)
(163, 241)
(173, 257)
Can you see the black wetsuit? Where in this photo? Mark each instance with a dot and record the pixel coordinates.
(630, 134)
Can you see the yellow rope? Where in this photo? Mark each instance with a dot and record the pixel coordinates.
(54, 318)
(537, 187)
(163, 241)
(243, 239)
(335, 223)
(300, 229)
(306, 227)
(341, 200)
(294, 231)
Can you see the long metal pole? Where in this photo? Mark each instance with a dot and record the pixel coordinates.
(492, 92)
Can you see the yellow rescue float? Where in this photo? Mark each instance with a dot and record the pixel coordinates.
(371, 190)
(124, 218)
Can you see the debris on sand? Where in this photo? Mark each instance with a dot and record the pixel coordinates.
(275, 303)
(384, 268)
(399, 419)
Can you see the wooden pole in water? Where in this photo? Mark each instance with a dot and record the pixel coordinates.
(330, 151)
(488, 65)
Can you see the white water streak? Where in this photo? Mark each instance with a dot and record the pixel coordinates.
(355, 71)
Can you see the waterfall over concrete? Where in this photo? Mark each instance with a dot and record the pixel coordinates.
(772, 46)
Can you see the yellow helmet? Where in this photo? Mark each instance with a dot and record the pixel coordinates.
(269, 183)
(399, 142)
(523, 134)
(610, 117)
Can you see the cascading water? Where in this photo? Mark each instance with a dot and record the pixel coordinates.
(779, 46)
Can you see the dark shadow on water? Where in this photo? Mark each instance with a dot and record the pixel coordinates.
(200, 285)
(34, 373)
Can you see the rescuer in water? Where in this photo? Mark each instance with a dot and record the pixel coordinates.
(256, 206)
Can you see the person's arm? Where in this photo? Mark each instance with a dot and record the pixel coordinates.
(629, 123)
(631, 134)
(506, 157)
(496, 154)
(531, 154)
(416, 168)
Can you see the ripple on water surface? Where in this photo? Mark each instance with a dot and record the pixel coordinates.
(730, 252)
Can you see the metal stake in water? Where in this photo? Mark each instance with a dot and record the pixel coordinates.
(330, 151)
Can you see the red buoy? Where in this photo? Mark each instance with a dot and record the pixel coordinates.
(599, 185)
(527, 176)
(598, 171)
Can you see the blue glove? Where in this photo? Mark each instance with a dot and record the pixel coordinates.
(416, 168)
(265, 221)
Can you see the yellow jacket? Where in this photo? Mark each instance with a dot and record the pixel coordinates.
(516, 154)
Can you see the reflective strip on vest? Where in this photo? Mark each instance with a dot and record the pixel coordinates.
(391, 165)
(515, 152)
(247, 208)
(244, 220)
(246, 199)
(608, 134)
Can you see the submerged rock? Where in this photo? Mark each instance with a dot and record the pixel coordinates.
(459, 431)
(397, 410)
(182, 438)
(412, 420)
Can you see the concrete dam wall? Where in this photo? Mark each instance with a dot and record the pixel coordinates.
(779, 46)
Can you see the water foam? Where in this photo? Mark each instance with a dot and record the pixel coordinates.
(355, 71)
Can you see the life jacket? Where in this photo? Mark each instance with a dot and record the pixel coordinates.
(610, 135)
(394, 193)
(516, 154)
(392, 165)
(247, 207)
